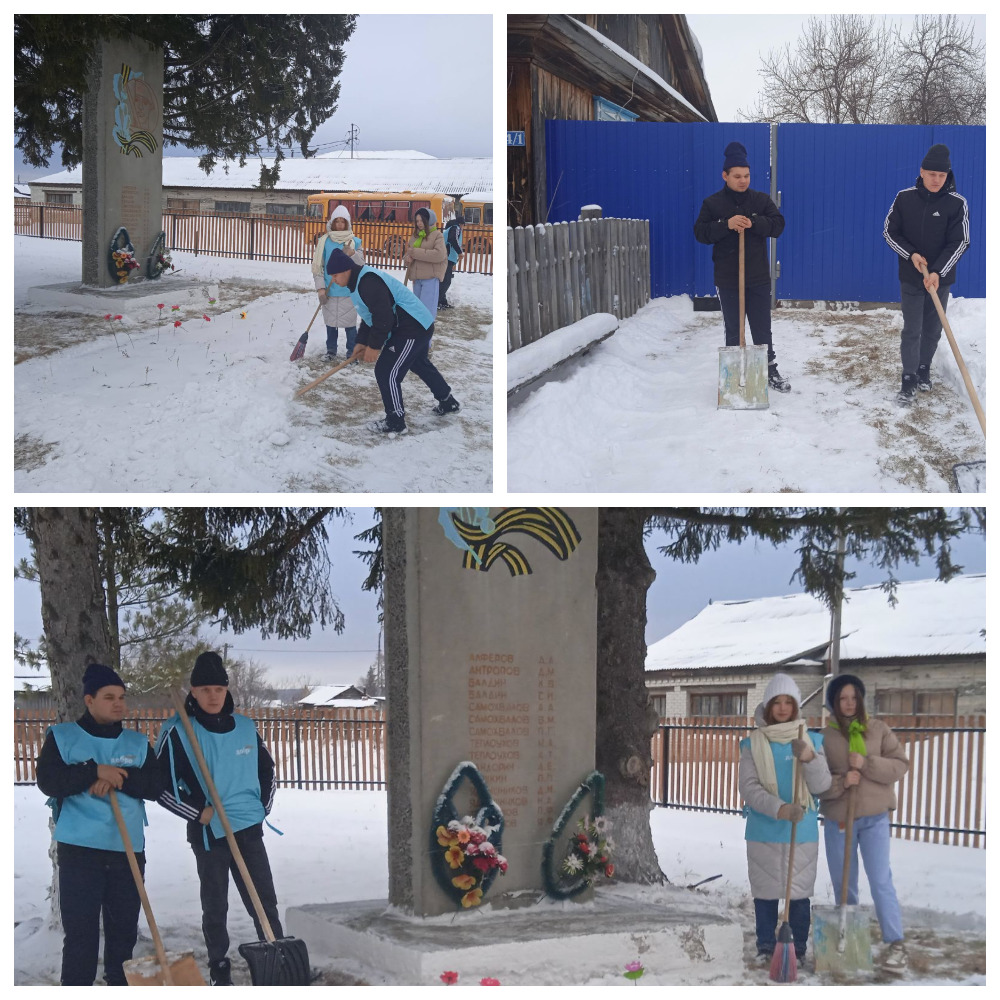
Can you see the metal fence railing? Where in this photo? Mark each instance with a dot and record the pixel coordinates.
(287, 238)
(940, 799)
(313, 748)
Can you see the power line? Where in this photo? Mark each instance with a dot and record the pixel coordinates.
(246, 649)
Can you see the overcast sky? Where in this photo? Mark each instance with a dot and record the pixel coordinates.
(410, 81)
(679, 592)
(733, 46)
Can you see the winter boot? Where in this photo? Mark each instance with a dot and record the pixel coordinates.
(449, 405)
(909, 389)
(894, 959)
(775, 381)
(924, 378)
(389, 426)
(219, 973)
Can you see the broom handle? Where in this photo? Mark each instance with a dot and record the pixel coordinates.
(161, 953)
(332, 371)
(791, 849)
(848, 837)
(976, 405)
(743, 294)
(313, 320)
(213, 794)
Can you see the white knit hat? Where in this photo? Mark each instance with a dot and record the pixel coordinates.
(782, 684)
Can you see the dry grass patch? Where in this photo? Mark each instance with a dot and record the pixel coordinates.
(30, 453)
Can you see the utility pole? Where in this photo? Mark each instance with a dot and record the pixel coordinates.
(353, 135)
(225, 652)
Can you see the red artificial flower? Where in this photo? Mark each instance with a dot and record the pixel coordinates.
(159, 305)
(177, 323)
(503, 867)
(206, 319)
(108, 316)
(174, 308)
(449, 978)
(583, 847)
(609, 871)
(118, 317)
(488, 981)
(483, 864)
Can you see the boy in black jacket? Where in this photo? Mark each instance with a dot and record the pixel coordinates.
(243, 771)
(722, 217)
(928, 224)
(80, 762)
(453, 243)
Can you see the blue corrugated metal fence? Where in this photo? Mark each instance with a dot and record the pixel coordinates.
(836, 182)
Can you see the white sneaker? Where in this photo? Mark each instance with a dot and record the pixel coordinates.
(894, 959)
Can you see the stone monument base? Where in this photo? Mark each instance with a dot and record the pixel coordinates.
(671, 931)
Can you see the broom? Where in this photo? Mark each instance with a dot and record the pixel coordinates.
(784, 967)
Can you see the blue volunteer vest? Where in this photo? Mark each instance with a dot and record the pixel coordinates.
(401, 296)
(766, 830)
(232, 762)
(87, 820)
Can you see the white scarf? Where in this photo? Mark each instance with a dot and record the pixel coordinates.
(760, 749)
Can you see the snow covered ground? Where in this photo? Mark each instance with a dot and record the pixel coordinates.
(334, 849)
(639, 412)
(139, 405)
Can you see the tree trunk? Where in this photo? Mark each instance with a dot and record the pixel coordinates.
(73, 612)
(625, 719)
(110, 576)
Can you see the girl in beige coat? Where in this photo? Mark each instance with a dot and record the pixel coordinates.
(338, 309)
(426, 258)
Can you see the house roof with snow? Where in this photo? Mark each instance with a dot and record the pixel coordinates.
(22, 190)
(26, 679)
(337, 696)
(451, 175)
(930, 619)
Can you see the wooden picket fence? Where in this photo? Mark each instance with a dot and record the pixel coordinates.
(257, 237)
(559, 273)
(313, 748)
(939, 800)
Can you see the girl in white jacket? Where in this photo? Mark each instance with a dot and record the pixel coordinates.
(338, 309)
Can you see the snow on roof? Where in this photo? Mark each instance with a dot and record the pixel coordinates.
(458, 174)
(931, 619)
(26, 679)
(376, 154)
(330, 695)
(638, 64)
(22, 190)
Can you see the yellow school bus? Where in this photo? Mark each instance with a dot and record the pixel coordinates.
(478, 209)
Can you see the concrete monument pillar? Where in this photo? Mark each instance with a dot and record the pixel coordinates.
(491, 639)
(122, 154)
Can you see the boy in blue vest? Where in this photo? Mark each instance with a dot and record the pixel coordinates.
(243, 772)
(393, 318)
(79, 764)
(453, 243)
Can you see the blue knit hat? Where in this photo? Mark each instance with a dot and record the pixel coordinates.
(338, 262)
(97, 676)
(736, 156)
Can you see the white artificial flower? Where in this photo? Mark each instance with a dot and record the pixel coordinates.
(572, 864)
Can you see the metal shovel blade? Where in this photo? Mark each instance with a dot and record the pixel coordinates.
(970, 477)
(752, 394)
(857, 953)
(282, 962)
(147, 971)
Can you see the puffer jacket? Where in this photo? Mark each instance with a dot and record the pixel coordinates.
(430, 259)
(767, 862)
(885, 763)
(338, 310)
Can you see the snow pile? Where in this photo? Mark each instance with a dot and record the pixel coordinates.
(652, 390)
(139, 404)
(532, 360)
(334, 850)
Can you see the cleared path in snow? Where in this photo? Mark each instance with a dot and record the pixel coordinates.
(640, 415)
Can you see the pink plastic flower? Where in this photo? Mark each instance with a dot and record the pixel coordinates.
(488, 981)
(159, 305)
(118, 317)
(207, 319)
(174, 308)
(177, 323)
(107, 316)
(449, 978)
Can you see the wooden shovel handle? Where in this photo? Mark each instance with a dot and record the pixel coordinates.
(161, 953)
(209, 785)
(852, 798)
(743, 294)
(976, 405)
(332, 371)
(791, 846)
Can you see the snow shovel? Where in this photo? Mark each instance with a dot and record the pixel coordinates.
(160, 969)
(322, 378)
(276, 961)
(300, 348)
(784, 967)
(842, 940)
(743, 369)
(970, 477)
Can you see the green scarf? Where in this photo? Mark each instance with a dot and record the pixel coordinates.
(419, 238)
(855, 736)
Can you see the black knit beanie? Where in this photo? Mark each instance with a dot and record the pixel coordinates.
(338, 262)
(736, 156)
(97, 676)
(209, 671)
(834, 688)
(938, 158)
